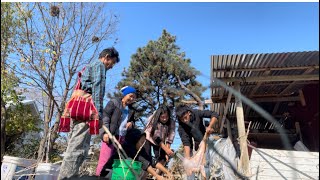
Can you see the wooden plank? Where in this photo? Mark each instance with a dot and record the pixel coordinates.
(247, 111)
(226, 109)
(302, 99)
(308, 71)
(271, 68)
(283, 83)
(274, 99)
(244, 157)
(221, 110)
(211, 74)
(261, 99)
(222, 90)
(275, 109)
(207, 101)
(258, 96)
(259, 84)
(298, 131)
(229, 130)
(272, 78)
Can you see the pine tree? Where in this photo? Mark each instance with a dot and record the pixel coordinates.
(162, 75)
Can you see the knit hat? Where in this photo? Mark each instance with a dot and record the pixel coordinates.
(127, 90)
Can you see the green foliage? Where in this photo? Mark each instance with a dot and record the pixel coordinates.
(8, 79)
(8, 82)
(59, 147)
(9, 24)
(154, 70)
(27, 150)
(20, 120)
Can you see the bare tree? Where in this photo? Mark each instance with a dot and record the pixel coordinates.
(55, 41)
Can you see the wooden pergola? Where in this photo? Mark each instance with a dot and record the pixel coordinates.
(276, 78)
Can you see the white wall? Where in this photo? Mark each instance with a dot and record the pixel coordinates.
(274, 164)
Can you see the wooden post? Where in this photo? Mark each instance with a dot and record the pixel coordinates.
(298, 131)
(302, 99)
(229, 130)
(244, 157)
(226, 108)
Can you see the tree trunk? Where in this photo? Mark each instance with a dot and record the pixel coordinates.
(54, 133)
(3, 128)
(54, 129)
(47, 119)
(42, 144)
(196, 97)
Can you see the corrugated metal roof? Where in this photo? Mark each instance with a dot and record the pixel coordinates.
(258, 65)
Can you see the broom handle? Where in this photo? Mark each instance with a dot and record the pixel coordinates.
(205, 137)
(116, 142)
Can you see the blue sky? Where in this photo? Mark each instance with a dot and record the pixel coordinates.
(213, 28)
(205, 29)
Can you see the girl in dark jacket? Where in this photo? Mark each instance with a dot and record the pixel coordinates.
(118, 117)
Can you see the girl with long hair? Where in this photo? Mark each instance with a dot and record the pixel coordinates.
(160, 132)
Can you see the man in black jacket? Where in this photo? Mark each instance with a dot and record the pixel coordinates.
(191, 126)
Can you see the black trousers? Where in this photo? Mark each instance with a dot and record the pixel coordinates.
(159, 153)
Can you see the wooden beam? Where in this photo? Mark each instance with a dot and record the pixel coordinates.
(283, 83)
(308, 71)
(277, 99)
(275, 109)
(229, 130)
(247, 111)
(258, 84)
(216, 98)
(265, 69)
(226, 108)
(221, 111)
(207, 101)
(264, 99)
(257, 116)
(272, 78)
(243, 165)
(221, 93)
